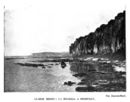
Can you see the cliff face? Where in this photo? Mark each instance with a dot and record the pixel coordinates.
(108, 38)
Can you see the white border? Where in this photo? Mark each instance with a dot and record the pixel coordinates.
(29, 97)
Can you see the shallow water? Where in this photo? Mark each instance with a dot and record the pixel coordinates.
(76, 76)
(25, 78)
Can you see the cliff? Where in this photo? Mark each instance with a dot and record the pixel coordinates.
(106, 39)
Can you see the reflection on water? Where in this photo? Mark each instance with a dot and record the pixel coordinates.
(29, 75)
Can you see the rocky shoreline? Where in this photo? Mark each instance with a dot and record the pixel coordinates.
(95, 73)
(99, 75)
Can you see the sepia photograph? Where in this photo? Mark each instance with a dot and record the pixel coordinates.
(64, 46)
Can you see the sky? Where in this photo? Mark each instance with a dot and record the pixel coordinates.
(52, 25)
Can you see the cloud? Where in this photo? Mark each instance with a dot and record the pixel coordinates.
(52, 25)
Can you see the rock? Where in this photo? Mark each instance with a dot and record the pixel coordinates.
(85, 89)
(31, 64)
(43, 67)
(80, 74)
(82, 83)
(69, 83)
(63, 64)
